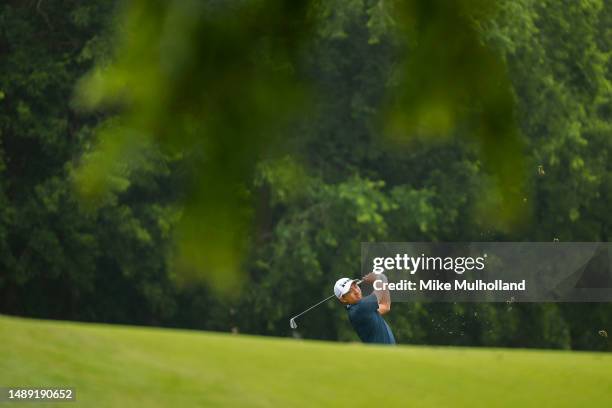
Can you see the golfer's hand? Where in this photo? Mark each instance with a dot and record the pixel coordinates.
(370, 278)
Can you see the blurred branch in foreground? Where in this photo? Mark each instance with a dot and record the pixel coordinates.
(449, 84)
(210, 84)
(213, 85)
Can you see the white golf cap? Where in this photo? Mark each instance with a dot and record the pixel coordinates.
(342, 286)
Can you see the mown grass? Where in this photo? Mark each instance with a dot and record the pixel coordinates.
(120, 366)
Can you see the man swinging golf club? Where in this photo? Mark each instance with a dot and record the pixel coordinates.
(365, 313)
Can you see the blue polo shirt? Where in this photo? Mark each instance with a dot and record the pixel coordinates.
(368, 323)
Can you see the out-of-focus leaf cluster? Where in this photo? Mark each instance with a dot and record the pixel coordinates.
(214, 85)
(210, 84)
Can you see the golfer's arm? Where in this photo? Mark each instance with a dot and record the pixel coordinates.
(383, 297)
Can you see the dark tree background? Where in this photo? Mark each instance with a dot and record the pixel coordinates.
(403, 128)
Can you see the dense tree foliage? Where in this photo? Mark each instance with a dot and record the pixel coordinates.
(59, 259)
(367, 120)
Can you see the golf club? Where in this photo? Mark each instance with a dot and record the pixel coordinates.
(292, 322)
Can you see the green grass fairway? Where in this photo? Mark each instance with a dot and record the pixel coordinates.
(118, 366)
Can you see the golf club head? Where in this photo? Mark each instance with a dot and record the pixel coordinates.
(292, 323)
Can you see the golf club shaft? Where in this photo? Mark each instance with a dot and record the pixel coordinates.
(313, 306)
(323, 301)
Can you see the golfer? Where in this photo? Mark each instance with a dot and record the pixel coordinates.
(365, 313)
